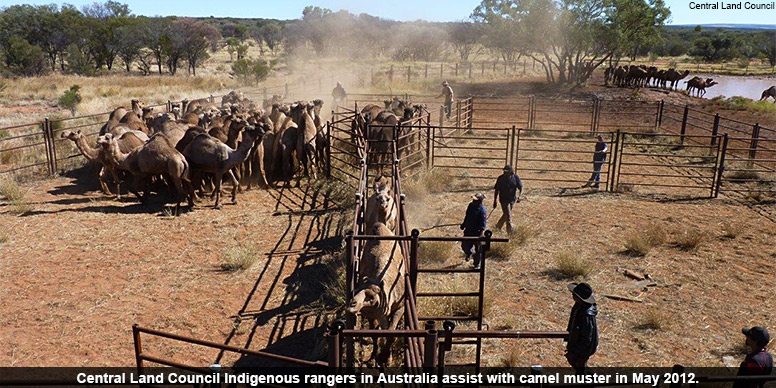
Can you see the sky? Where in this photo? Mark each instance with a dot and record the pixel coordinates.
(405, 10)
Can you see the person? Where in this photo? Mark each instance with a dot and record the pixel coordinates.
(582, 341)
(474, 224)
(758, 361)
(599, 158)
(507, 191)
(339, 95)
(447, 92)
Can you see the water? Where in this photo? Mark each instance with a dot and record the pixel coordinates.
(731, 85)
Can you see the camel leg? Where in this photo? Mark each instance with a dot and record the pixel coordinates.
(235, 186)
(217, 190)
(115, 176)
(103, 178)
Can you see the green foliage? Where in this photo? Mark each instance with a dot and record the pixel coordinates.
(79, 61)
(254, 70)
(24, 59)
(745, 104)
(71, 98)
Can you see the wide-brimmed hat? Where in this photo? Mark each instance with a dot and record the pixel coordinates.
(444, 83)
(583, 291)
(759, 334)
(478, 197)
(507, 168)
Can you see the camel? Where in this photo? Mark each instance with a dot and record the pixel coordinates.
(770, 92)
(158, 156)
(127, 142)
(208, 155)
(673, 77)
(113, 120)
(256, 166)
(636, 76)
(619, 76)
(380, 207)
(306, 134)
(699, 85)
(379, 294)
(282, 165)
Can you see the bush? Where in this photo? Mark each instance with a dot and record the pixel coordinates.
(689, 239)
(11, 190)
(79, 62)
(435, 251)
(335, 292)
(569, 266)
(731, 230)
(24, 59)
(254, 70)
(71, 98)
(240, 257)
(654, 319)
(639, 243)
(521, 233)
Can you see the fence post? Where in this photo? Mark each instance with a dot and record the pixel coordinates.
(409, 73)
(414, 259)
(50, 130)
(138, 349)
(456, 69)
(721, 163)
(47, 141)
(448, 326)
(426, 70)
(531, 108)
(428, 141)
(715, 130)
(483, 68)
(441, 70)
(333, 343)
(614, 165)
(505, 67)
(430, 341)
(471, 112)
(457, 114)
(441, 116)
(328, 149)
(511, 160)
(517, 150)
(684, 125)
(659, 118)
(596, 109)
(753, 145)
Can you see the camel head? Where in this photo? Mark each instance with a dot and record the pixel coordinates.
(71, 135)
(710, 82)
(408, 114)
(369, 297)
(381, 183)
(137, 105)
(105, 140)
(148, 113)
(387, 104)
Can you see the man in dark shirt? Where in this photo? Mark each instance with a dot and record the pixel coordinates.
(339, 95)
(508, 190)
(474, 224)
(599, 159)
(758, 361)
(582, 327)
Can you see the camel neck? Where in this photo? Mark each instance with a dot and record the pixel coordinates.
(92, 154)
(118, 157)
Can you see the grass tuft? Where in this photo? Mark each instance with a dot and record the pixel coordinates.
(11, 190)
(240, 257)
(3, 238)
(433, 181)
(689, 239)
(521, 233)
(569, 266)
(435, 251)
(624, 188)
(731, 230)
(334, 283)
(511, 360)
(639, 243)
(654, 319)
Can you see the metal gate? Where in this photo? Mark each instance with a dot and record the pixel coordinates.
(472, 153)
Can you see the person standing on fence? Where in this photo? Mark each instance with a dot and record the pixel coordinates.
(474, 225)
(508, 190)
(758, 361)
(339, 95)
(447, 92)
(582, 341)
(599, 159)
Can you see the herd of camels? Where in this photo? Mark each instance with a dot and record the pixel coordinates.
(199, 144)
(643, 76)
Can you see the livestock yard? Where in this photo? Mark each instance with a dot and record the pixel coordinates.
(678, 242)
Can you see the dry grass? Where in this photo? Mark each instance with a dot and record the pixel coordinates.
(435, 251)
(654, 319)
(11, 190)
(240, 257)
(742, 176)
(731, 230)
(511, 360)
(3, 238)
(570, 266)
(640, 242)
(624, 188)
(460, 306)
(334, 293)
(689, 239)
(521, 233)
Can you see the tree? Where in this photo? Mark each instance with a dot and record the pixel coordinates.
(270, 34)
(231, 47)
(465, 36)
(71, 98)
(571, 38)
(158, 40)
(193, 38)
(22, 58)
(767, 45)
(252, 69)
(129, 41)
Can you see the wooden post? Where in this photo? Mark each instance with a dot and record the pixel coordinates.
(683, 132)
(715, 130)
(426, 74)
(753, 145)
(409, 73)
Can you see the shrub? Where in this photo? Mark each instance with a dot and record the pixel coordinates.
(689, 239)
(253, 70)
(24, 59)
(731, 230)
(511, 360)
(71, 98)
(639, 243)
(521, 233)
(624, 188)
(654, 319)
(569, 266)
(334, 283)
(21, 207)
(240, 257)
(11, 190)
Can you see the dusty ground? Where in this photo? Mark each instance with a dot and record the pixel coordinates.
(81, 269)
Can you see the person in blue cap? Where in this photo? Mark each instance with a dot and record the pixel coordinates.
(582, 341)
(474, 224)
